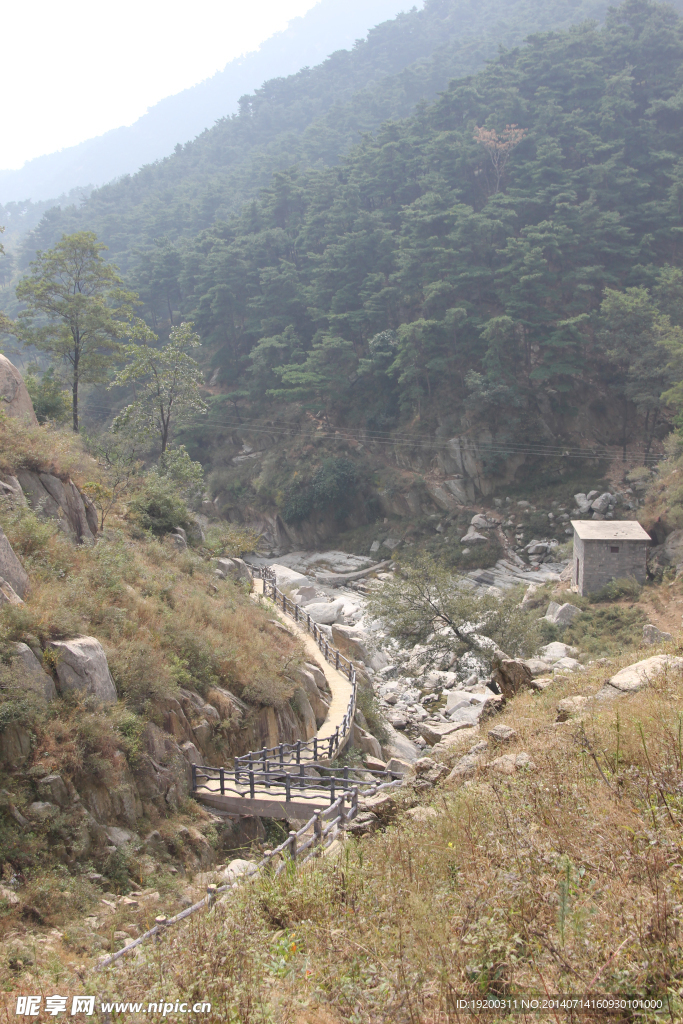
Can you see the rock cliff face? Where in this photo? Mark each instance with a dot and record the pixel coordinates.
(14, 398)
(55, 499)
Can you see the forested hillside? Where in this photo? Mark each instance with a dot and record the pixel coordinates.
(310, 119)
(504, 264)
(453, 263)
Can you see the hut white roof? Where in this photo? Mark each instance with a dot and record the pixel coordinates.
(609, 529)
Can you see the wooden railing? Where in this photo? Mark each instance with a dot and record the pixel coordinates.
(322, 826)
(328, 747)
(278, 780)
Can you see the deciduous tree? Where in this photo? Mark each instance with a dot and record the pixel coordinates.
(75, 308)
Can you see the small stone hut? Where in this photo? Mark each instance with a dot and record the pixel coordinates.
(607, 550)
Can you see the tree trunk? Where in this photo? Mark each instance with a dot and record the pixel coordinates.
(74, 395)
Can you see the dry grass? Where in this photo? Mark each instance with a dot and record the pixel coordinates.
(563, 878)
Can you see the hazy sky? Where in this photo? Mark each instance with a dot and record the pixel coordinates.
(75, 70)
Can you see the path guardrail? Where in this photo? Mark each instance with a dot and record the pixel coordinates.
(323, 826)
(292, 753)
(275, 778)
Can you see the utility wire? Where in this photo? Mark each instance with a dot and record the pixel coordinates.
(406, 441)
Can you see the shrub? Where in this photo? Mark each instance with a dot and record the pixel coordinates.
(158, 507)
(50, 400)
(616, 589)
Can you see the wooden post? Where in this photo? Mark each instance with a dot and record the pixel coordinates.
(288, 789)
(346, 777)
(194, 778)
(211, 894)
(315, 748)
(267, 774)
(317, 827)
(332, 790)
(342, 809)
(298, 751)
(354, 802)
(251, 783)
(336, 661)
(302, 784)
(222, 778)
(292, 844)
(296, 612)
(160, 923)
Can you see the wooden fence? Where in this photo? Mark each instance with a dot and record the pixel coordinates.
(316, 835)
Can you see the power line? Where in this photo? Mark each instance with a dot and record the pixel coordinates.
(405, 441)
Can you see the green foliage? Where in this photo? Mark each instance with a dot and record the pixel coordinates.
(167, 384)
(426, 604)
(229, 539)
(606, 630)
(74, 307)
(158, 507)
(616, 589)
(50, 401)
(333, 486)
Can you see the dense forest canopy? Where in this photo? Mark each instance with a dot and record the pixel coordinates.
(310, 119)
(500, 254)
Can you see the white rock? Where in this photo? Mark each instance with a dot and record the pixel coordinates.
(556, 650)
(237, 868)
(567, 665)
(82, 665)
(118, 836)
(326, 614)
(635, 677)
(472, 537)
(287, 579)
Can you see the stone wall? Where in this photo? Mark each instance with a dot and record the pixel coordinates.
(597, 563)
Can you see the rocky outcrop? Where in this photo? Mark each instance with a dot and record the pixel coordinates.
(15, 400)
(15, 744)
(60, 500)
(82, 665)
(31, 673)
(11, 569)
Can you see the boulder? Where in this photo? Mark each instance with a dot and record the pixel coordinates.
(237, 568)
(118, 836)
(502, 734)
(304, 712)
(42, 810)
(15, 400)
(480, 522)
(287, 579)
(635, 677)
(570, 706)
(556, 650)
(434, 732)
(318, 705)
(351, 643)
(397, 766)
(602, 503)
(237, 869)
(7, 594)
(511, 675)
(472, 537)
(537, 666)
(15, 744)
(82, 665)
(11, 568)
(422, 814)
(400, 746)
(374, 764)
(69, 500)
(365, 741)
(562, 614)
(653, 635)
(32, 674)
(318, 676)
(191, 753)
(53, 789)
(326, 613)
(567, 665)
